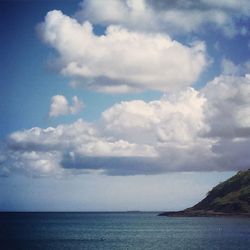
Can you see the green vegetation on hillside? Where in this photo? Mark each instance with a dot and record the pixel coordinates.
(231, 197)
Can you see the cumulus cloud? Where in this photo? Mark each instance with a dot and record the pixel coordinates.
(166, 15)
(228, 106)
(174, 118)
(147, 138)
(121, 60)
(60, 106)
(44, 151)
(230, 68)
(190, 130)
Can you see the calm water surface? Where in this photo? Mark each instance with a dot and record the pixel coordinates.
(112, 231)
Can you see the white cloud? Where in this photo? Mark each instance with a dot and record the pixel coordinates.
(121, 60)
(171, 16)
(230, 68)
(174, 118)
(132, 138)
(42, 151)
(60, 106)
(228, 106)
(36, 163)
(58, 138)
(130, 14)
(187, 131)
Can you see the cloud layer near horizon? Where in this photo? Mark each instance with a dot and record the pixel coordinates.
(187, 131)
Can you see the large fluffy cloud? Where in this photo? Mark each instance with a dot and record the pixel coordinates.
(174, 118)
(189, 130)
(179, 132)
(228, 107)
(172, 16)
(44, 151)
(121, 60)
(227, 113)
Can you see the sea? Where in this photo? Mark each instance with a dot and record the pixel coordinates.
(121, 230)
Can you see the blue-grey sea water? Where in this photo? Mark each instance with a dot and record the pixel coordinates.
(113, 231)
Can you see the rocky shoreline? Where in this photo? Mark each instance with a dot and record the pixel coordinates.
(201, 213)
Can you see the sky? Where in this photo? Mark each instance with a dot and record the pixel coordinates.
(121, 105)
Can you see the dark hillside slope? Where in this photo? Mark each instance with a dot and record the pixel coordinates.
(231, 197)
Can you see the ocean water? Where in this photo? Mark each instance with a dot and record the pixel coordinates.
(113, 231)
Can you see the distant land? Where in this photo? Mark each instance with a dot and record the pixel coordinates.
(229, 198)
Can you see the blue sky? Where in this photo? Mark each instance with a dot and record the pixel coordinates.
(95, 94)
(25, 62)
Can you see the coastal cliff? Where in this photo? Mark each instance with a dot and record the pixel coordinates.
(229, 198)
